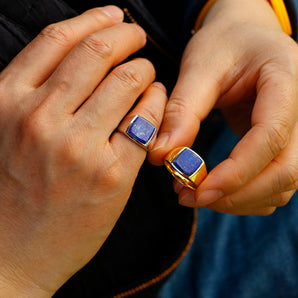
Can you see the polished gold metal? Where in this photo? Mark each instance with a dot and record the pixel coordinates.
(192, 181)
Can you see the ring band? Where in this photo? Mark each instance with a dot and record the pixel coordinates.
(141, 131)
(186, 166)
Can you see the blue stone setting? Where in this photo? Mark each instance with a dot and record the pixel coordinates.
(141, 130)
(187, 162)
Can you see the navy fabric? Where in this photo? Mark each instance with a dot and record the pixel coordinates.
(239, 257)
(153, 230)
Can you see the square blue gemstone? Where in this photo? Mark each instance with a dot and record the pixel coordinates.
(141, 130)
(187, 162)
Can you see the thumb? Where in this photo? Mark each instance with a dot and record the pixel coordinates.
(197, 89)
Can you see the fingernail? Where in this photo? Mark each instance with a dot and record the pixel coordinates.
(188, 199)
(209, 196)
(113, 12)
(161, 141)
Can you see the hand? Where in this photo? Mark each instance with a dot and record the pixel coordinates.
(241, 62)
(66, 174)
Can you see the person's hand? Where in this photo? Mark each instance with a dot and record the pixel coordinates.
(66, 172)
(241, 62)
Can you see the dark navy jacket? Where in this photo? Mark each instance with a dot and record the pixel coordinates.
(154, 232)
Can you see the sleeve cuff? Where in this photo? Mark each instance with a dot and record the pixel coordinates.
(292, 9)
(195, 7)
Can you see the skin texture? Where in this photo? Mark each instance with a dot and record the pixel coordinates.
(65, 173)
(241, 62)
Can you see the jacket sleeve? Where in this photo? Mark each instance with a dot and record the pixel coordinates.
(195, 6)
(292, 9)
(21, 21)
(13, 39)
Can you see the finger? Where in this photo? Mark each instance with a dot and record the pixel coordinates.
(259, 204)
(41, 57)
(281, 199)
(114, 97)
(266, 211)
(82, 70)
(272, 187)
(151, 107)
(228, 205)
(273, 119)
(266, 206)
(202, 78)
(224, 205)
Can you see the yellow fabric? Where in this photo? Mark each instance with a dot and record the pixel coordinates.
(277, 5)
(203, 14)
(282, 15)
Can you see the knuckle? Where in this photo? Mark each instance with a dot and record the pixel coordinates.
(97, 47)
(35, 127)
(98, 16)
(144, 64)
(182, 107)
(152, 114)
(129, 76)
(237, 177)
(292, 177)
(229, 205)
(9, 87)
(111, 176)
(278, 136)
(288, 179)
(280, 200)
(69, 153)
(176, 106)
(266, 211)
(61, 33)
(62, 86)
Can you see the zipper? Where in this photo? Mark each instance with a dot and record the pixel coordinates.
(150, 38)
(166, 272)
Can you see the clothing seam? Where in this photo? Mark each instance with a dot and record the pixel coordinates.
(169, 270)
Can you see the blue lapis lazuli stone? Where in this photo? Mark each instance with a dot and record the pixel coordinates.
(141, 130)
(187, 162)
